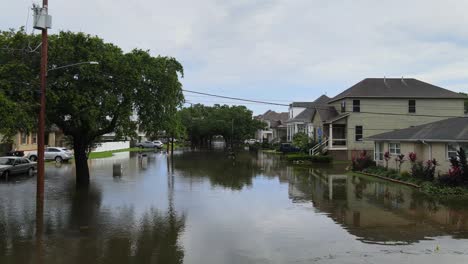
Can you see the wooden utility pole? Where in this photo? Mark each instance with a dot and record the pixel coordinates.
(43, 22)
(41, 125)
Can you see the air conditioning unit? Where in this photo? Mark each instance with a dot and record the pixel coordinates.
(42, 20)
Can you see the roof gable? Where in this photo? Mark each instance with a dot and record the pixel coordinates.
(396, 88)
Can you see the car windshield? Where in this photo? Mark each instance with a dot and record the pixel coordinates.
(7, 161)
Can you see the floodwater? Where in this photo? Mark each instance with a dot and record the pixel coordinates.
(203, 207)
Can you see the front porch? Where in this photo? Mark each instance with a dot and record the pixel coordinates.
(299, 127)
(336, 136)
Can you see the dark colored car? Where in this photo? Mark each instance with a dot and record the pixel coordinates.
(288, 148)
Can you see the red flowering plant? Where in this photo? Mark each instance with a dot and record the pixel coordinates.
(387, 158)
(362, 161)
(399, 161)
(412, 157)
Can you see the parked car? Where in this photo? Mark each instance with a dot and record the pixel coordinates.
(53, 153)
(288, 148)
(146, 144)
(251, 141)
(158, 144)
(11, 165)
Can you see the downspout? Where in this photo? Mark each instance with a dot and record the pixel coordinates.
(430, 148)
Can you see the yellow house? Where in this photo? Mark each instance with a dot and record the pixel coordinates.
(438, 140)
(378, 105)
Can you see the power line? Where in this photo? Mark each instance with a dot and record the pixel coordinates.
(236, 98)
(322, 107)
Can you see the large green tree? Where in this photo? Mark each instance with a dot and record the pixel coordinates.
(234, 123)
(18, 82)
(123, 92)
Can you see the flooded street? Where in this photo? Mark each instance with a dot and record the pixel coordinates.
(203, 208)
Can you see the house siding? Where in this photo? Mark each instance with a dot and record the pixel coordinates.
(423, 153)
(386, 120)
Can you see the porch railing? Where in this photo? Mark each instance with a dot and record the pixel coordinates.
(336, 142)
(316, 149)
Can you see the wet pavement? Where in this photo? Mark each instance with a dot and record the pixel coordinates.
(204, 207)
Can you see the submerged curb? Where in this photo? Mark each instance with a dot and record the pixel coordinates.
(389, 179)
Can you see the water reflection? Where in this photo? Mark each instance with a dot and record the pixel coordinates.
(204, 207)
(377, 211)
(220, 169)
(80, 228)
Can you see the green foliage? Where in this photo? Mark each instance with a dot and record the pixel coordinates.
(202, 123)
(297, 157)
(321, 159)
(306, 157)
(361, 161)
(458, 173)
(19, 82)
(123, 92)
(302, 141)
(424, 171)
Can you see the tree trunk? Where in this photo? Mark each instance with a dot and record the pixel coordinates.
(81, 163)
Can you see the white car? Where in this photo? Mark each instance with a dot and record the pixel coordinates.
(145, 144)
(158, 144)
(53, 153)
(251, 141)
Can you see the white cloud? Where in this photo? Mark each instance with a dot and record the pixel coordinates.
(280, 49)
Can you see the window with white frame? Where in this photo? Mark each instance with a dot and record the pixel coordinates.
(379, 151)
(452, 149)
(301, 128)
(394, 148)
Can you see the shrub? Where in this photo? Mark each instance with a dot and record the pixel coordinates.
(297, 156)
(405, 174)
(458, 173)
(321, 159)
(412, 157)
(266, 145)
(387, 158)
(399, 161)
(362, 161)
(302, 141)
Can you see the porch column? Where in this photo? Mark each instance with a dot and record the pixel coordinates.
(330, 137)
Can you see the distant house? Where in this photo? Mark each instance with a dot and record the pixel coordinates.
(300, 117)
(275, 130)
(378, 105)
(437, 140)
(27, 141)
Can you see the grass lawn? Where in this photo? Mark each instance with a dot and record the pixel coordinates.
(108, 154)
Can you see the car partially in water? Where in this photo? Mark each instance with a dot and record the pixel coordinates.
(58, 154)
(12, 165)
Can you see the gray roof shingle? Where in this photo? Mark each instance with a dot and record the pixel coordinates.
(304, 116)
(396, 88)
(323, 99)
(452, 129)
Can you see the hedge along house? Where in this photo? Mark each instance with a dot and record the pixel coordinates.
(438, 140)
(378, 105)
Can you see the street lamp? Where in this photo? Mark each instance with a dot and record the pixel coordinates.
(73, 65)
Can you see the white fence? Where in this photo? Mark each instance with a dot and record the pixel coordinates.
(108, 146)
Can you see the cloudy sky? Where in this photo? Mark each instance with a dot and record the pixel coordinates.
(278, 50)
